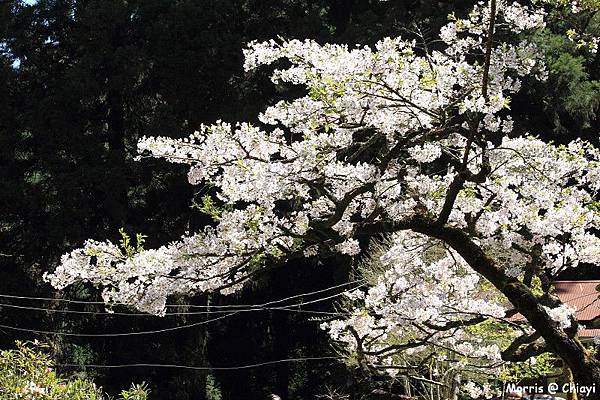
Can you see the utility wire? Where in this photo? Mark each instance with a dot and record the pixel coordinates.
(231, 306)
(248, 366)
(63, 311)
(174, 328)
(157, 331)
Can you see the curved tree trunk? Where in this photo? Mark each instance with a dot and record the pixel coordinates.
(585, 368)
(568, 375)
(454, 386)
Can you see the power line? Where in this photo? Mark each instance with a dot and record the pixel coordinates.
(120, 334)
(157, 331)
(231, 306)
(64, 311)
(361, 281)
(248, 366)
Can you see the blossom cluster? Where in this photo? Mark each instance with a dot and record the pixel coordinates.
(422, 305)
(475, 391)
(539, 196)
(379, 138)
(561, 314)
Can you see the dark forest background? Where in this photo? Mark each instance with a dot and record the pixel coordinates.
(82, 80)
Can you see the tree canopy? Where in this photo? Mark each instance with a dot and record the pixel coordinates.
(454, 161)
(401, 140)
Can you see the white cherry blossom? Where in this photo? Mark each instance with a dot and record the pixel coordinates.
(389, 141)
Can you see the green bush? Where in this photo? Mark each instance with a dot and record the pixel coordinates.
(26, 373)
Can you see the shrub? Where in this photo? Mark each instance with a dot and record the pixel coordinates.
(27, 373)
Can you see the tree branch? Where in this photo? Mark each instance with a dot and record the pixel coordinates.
(524, 347)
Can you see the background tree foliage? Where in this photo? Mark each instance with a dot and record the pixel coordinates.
(27, 372)
(82, 80)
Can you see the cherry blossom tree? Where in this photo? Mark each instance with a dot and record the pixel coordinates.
(404, 142)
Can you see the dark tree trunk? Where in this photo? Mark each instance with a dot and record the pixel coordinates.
(454, 386)
(116, 193)
(282, 340)
(585, 368)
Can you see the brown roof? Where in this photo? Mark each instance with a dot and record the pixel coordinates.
(584, 297)
(588, 333)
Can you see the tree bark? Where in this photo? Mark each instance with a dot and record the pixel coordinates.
(572, 395)
(454, 386)
(585, 368)
(116, 197)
